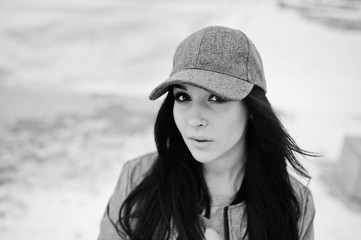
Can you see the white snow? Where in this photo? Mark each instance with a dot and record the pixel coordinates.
(63, 63)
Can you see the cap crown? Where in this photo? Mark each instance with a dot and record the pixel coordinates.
(222, 50)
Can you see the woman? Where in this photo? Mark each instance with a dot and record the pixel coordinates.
(220, 170)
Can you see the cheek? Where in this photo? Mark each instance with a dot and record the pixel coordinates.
(234, 126)
(233, 132)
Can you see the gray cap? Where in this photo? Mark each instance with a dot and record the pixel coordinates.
(220, 60)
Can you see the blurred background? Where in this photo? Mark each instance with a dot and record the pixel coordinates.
(74, 82)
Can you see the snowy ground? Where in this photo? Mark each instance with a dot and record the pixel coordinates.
(74, 79)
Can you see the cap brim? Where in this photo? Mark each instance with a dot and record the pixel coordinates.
(224, 86)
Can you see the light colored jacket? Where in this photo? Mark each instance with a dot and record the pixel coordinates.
(135, 170)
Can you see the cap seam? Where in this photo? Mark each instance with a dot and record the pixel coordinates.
(225, 96)
(219, 73)
(199, 48)
(247, 56)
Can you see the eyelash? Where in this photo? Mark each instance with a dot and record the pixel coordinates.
(177, 97)
(218, 99)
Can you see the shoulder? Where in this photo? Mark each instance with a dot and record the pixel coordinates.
(136, 169)
(132, 173)
(305, 201)
(302, 192)
(141, 164)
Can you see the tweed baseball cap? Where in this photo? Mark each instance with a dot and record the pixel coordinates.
(218, 59)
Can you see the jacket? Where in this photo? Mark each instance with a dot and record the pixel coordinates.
(135, 170)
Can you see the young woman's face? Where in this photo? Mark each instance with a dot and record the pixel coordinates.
(212, 128)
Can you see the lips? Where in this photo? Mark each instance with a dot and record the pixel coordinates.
(200, 139)
(199, 142)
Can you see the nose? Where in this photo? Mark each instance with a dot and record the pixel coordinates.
(196, 117)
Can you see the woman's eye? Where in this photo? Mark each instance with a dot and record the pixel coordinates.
(181, 97)
(217, 99)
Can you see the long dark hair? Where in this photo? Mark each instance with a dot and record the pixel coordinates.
(174, 192)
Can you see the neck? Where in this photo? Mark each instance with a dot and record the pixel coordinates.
(225, 175)
(222, 169)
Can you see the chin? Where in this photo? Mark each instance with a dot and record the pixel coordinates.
(202, 157)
